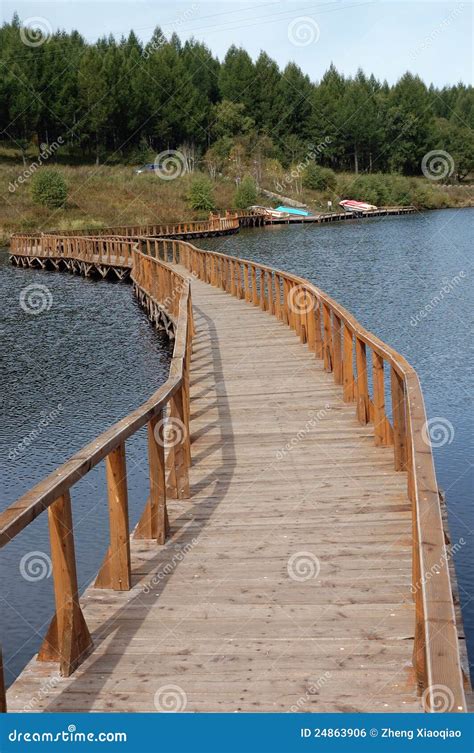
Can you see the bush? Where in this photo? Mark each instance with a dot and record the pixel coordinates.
(49, 189)
(319, 178)
(246, 194)
(201, 194)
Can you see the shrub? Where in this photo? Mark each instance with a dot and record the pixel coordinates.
(49, 189)
(246, 194)
(201, 194)
(319, 178)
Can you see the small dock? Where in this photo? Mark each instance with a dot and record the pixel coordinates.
(283, 558)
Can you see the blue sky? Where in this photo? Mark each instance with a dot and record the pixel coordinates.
(384, 37)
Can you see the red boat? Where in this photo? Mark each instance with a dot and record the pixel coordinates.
(349, 205)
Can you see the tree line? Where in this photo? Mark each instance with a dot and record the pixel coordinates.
(122, 100)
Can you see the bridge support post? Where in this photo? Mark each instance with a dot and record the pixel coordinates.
(337, 349)
(177, 461)
(154, 523)
(399, 421)
(327, 340)
(67, 640)
(363, 413)
(115, 572)
(348, 366)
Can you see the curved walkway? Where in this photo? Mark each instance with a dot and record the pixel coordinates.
(285, 583)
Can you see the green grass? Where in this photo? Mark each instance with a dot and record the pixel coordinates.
(114, 195)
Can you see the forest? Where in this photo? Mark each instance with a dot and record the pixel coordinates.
(118, 101)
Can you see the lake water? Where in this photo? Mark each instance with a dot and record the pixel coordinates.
(409, 280)
(89, 359)
(67, 374)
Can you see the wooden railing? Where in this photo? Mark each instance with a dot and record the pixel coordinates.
(68, 640)
(349, 352)
(103, 250)
(214, 224)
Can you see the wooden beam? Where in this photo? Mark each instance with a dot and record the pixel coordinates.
(115, 572)
(67, 640)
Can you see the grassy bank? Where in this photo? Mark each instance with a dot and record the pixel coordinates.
(110, 195)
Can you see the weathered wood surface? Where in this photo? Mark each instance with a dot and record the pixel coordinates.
(285, 483)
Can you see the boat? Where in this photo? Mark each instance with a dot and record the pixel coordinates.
(268, 211)
(294, 211)
(349, 205)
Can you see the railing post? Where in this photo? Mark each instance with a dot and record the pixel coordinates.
(278, 296)
(254, 286)
(271, 305)
(115, 572)
(318, 341)
(419, 641)
(288, 316)
(380, 428)
(327, 339)
(347, 366)
(362, 382)
(399, 421)
(337, 348)
(177, 461)
(154, 523)
(263, 304)
(67, 640)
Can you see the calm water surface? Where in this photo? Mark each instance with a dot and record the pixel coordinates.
(93, 357)
(409, 280)
(67, 374)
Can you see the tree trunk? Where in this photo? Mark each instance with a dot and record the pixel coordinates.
(356, 160)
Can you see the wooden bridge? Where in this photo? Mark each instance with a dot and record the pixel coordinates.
(291, 554)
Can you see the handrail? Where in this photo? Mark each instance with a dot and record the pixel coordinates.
(214, 224)
(68, 640)
(335, 336)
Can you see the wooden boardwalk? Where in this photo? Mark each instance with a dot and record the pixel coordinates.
(285, 483)
(286, 579)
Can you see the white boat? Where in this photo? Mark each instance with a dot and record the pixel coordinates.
(349, 205)
(268, 211)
